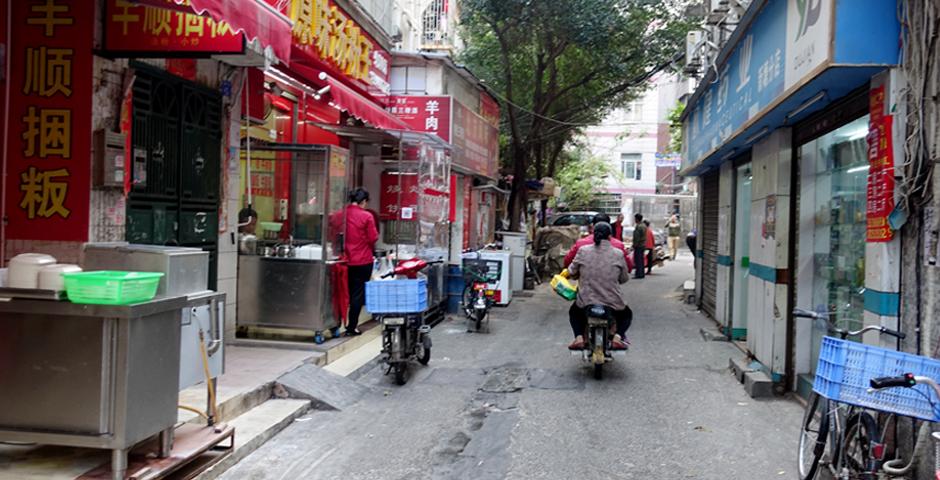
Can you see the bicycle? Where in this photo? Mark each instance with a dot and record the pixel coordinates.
(531, 269)
(896, 468)
(840, 442)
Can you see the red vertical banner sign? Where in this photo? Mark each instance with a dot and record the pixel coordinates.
(467, 208)
(49, 165)
(389, 204)
(880, 199)
(452, 217)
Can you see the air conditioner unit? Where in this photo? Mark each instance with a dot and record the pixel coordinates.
(693, 41)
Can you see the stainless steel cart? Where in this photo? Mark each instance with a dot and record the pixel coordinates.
(90, 375)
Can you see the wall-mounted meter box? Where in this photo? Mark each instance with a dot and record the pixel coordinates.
(109, 159)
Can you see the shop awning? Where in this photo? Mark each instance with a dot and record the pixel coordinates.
(257, 20)
(345, 98)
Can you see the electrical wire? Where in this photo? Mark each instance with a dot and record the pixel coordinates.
(636, 81)
(920, 28)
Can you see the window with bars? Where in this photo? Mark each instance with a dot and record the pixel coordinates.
(634, 111)
(631, 166)
(434, 23)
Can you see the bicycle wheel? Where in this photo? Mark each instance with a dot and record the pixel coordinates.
(814, 434)
(861, 433)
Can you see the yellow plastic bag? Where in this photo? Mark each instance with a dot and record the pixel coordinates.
(563, 287)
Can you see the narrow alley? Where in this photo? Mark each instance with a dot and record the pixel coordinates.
(514, 404)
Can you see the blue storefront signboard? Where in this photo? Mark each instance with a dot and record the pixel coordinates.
(750, 80)
(791, 50)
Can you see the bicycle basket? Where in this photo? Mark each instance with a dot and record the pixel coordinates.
(846, 368)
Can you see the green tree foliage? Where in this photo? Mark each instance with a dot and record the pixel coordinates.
(559, 65)
(580, 177)
(675, 128)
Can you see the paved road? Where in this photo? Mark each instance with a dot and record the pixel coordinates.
(514, 404)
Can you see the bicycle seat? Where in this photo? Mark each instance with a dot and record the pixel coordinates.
(600, 311)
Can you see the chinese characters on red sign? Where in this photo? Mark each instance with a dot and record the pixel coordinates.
(489, 110)
(325, 33)
(423, 114)
(48, 185)
(141, 29)
(397, 196)
(881, 169)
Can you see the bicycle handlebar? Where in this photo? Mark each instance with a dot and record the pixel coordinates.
(907, 381)
(801, 313)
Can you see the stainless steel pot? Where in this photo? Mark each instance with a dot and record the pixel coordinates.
(285, 251)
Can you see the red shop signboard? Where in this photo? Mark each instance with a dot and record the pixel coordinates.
(476, 142)
(326, 37)
(880, 200)
(391, 208)
(489, 110)
(151, 31)
(49, 166)
(423, 113)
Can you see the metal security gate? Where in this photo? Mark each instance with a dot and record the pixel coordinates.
(175, 169)
(709, 239)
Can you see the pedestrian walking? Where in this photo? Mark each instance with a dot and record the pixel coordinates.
(674, 231)
(639, 246)
(650, 247)
(361, 235)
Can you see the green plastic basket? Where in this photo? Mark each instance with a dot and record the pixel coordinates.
(111, 287)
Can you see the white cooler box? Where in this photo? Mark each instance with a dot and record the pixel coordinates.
(502, 288)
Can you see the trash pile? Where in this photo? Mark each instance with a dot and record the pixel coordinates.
(550, 246)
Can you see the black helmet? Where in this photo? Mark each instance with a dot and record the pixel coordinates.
(600, 217)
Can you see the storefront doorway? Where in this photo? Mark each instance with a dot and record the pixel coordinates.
(175, 169)
(709, 241)
(741, 255)
(830, 252)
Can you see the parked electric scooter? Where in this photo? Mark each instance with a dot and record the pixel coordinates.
(477, 296)
(597, 340)
(405, 336)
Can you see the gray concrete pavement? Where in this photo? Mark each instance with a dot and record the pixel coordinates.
(514, 404)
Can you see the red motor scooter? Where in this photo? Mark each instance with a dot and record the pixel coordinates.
(405, 335)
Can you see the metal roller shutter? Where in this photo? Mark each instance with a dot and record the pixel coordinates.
(709, 241)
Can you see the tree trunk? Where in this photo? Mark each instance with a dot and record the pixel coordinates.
(518, 196)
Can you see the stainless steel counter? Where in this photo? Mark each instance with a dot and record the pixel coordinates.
(285, 292)
(90, 375)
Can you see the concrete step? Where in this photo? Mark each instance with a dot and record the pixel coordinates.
(254, 428)
(248, 381)
(758, 385)
(325, 389)
(740, 366)
(370, 332)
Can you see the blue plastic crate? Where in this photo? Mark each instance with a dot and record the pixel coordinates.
(397, 296)
(846, 368)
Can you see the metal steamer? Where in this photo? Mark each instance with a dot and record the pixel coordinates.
(186, 272)
(287, 282)
(100, 376)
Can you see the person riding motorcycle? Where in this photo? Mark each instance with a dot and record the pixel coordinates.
(601, 269)
(598, 218)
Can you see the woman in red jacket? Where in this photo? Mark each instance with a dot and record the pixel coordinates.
(359, 245)
(650, 247)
